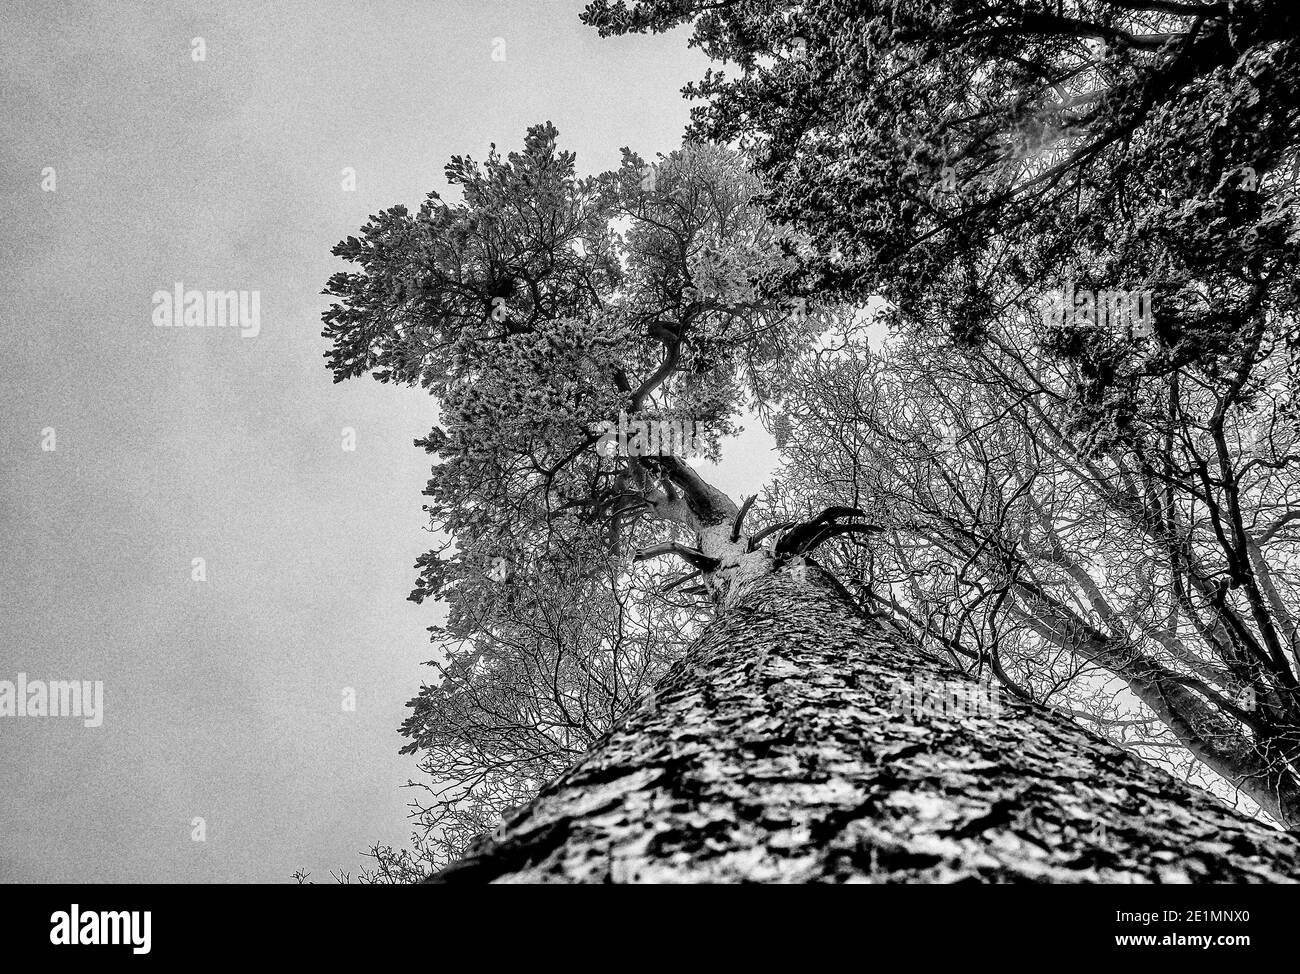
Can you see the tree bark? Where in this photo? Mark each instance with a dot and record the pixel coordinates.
(788, 746)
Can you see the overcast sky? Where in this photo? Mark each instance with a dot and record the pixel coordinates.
(223, 697)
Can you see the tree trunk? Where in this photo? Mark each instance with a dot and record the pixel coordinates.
(790, 744)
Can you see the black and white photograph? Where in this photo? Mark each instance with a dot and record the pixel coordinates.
(454, 443)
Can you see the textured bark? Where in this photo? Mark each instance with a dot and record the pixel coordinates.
(776, 750)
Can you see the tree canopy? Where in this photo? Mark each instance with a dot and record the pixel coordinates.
(1077, 221)
(1123, 494)
(961, 158)
(546, 312)
(541, 306)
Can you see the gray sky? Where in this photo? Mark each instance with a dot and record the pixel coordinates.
(223, 697)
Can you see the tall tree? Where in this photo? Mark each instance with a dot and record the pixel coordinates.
(544, 311)
(798, 742)
(584, 338)
(967, 160)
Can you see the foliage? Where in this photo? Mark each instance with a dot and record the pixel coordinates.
(537, 308)
(962, 158)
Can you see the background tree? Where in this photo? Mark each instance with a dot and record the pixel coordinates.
(523, 690)
(1088, 580)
